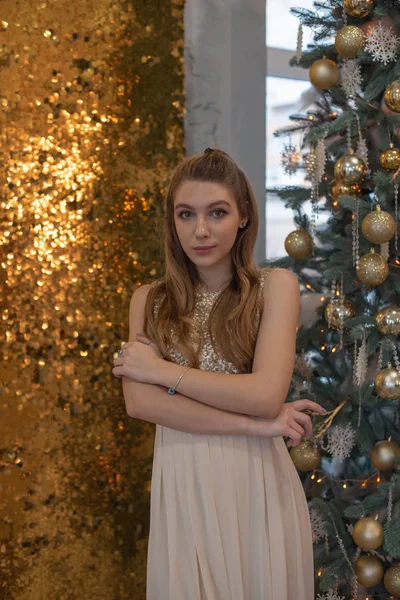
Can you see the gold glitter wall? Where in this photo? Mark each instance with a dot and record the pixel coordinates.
(91, 124)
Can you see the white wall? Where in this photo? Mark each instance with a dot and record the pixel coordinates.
(225, 66)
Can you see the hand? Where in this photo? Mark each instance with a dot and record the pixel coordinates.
(139, 360)
(289, 423)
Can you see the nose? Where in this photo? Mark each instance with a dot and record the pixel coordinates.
(201, 228)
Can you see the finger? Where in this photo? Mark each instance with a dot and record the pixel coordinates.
(297, 428)
(305, 421)
(308, 404)
(142, 338)
(117, 371)
(295, 438)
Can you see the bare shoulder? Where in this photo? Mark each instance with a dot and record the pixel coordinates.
(281, 277)
(141, 292)
(280, 283)
(137, 310)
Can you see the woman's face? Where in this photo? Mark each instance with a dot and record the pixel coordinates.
(205, 215)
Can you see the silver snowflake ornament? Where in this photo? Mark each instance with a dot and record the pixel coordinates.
(290, 159)
(382, 43)
(341, 441)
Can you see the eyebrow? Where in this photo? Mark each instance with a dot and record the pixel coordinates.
(209, 206)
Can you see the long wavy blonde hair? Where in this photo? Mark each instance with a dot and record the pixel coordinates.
(231, 324)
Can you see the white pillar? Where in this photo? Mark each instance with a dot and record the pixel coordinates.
(225, 69)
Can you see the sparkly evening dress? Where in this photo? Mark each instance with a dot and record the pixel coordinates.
(229, 518)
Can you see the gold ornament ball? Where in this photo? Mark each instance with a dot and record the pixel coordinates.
(305, 456)
(392, 96)
(368, 533)
(334, 311)
(373, 268)
(369, 570)
(383, 455)
(349, 40)
(350, 169)
(378, 226)
(358, 8)
(387, 383)
(388, 320)
(391, 581)
(298, 244)
(324, 73)
(390, 158)
(341, 189)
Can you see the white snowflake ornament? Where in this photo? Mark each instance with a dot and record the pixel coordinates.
(382, 43)
(331, 595)
(317, 525)
(351, 78)
(340, 441)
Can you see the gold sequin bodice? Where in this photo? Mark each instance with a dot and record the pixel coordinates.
(210, 360)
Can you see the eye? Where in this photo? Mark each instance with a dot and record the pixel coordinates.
(189, 212)
(220, 210)
(184, 212)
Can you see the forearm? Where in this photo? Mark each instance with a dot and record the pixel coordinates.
(239, 393)
(152, 403)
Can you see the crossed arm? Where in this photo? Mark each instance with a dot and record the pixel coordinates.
(260, 393)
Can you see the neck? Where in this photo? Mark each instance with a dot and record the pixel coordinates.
(213, 288)
(214, 277)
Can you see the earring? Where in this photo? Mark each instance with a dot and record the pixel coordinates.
(242, 225)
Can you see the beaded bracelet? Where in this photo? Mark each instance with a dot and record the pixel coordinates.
(173, 390)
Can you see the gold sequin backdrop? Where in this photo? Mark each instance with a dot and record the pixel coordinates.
(91, 113)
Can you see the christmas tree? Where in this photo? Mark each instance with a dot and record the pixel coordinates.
(348, 357)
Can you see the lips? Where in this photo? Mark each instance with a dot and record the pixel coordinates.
(204, 248)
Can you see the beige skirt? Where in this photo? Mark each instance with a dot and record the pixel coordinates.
(228, 521)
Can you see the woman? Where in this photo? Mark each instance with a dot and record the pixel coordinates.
(229, 519)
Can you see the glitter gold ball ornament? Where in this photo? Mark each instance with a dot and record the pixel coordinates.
(391, 581)
(378, 226)
(368, 533)
(369, 570)
(387, 383)
(298, 244)
(383, 455)
(390, 158)
(349, 40)
(335, 311)
(373, 268)
(392, 96)
(324, 73)
(350, 169)
(388, 320)
(341, 189)
(305, 456)
(358, 8)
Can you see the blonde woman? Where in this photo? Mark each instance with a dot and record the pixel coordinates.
(210, 359)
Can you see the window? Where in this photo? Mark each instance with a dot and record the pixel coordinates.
(287, 91)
